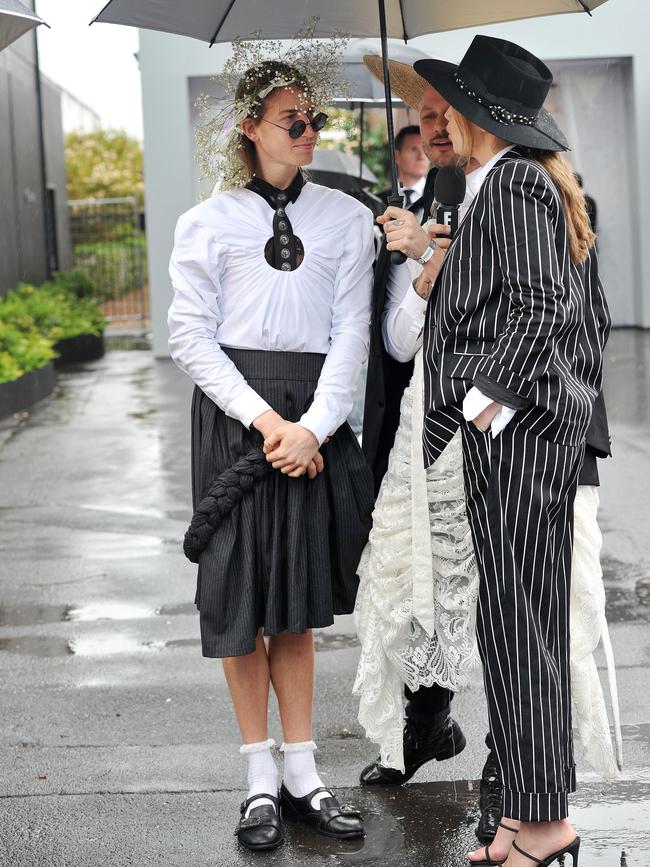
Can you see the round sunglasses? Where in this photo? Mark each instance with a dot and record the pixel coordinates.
(298, 127)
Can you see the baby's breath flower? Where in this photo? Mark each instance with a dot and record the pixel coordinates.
(219, 134)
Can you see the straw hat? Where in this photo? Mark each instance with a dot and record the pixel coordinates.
(404, 80)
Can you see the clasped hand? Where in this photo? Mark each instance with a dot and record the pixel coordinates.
(289, 447)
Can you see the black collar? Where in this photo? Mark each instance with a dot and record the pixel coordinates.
(277, 198)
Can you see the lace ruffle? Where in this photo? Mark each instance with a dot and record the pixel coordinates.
(395, 648)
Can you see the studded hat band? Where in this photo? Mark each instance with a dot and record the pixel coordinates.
(497, 112)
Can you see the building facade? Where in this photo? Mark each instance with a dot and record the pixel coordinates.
(29, 244)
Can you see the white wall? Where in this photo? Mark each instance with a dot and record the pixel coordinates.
(618, 29)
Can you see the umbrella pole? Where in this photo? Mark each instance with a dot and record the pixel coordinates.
(361, 131)
(389, 103)
(394, 197)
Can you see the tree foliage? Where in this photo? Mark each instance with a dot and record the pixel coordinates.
(103, 164)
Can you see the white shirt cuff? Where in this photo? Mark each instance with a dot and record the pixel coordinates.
(247, 406)
(415, 306)
(318, 421)
(475, 402)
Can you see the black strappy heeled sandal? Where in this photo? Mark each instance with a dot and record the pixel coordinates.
(262, 828)
(490, 861)
(329, 818)
(572, 849)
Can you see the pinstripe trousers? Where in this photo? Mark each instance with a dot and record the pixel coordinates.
(520, 491)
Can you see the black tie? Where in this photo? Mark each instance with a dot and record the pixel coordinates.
(408, 197)
(286, 248)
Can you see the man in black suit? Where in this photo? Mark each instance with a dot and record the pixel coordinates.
(412, 165)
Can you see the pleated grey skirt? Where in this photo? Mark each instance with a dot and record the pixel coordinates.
(285, 557)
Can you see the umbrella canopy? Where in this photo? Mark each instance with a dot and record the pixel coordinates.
(225, 20)
(16, 19)
(362, 85)
(341, 169)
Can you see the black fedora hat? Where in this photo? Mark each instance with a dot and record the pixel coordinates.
(501, 87)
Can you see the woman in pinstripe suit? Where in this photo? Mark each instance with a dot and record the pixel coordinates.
(513, 357)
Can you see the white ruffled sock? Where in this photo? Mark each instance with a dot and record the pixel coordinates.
(300, 774)
(262, 773)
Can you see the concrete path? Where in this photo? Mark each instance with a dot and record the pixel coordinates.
(118, 745)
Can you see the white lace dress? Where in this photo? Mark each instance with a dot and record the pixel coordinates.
(416, 606)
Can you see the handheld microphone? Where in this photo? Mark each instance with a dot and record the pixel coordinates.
(449, 192)
(396, 257)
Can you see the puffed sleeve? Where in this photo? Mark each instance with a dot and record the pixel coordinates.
(194, 317)
(349, 333)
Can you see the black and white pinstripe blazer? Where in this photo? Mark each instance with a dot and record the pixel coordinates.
(512, 315)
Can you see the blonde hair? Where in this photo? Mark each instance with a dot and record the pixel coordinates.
(581, 236)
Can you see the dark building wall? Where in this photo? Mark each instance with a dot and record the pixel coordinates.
(55, 170)
(23, 247)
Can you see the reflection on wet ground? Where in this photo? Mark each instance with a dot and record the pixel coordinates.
(33, 615)
(99, 644)
(433, 824)
(98, 600)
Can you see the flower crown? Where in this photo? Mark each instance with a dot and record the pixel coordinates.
(219, 136)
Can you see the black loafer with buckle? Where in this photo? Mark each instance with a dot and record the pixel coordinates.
(262, 828)
(329, 818)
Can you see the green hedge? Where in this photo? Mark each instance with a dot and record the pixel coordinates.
(34, 318)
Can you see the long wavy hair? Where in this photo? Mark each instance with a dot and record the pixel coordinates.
(581, 236)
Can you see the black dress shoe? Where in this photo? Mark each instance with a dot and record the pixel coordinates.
(422, 744)
(329, 818)
(490, 800)
(262, 828)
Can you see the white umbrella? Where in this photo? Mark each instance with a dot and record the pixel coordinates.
(16, 19)
(337, 162)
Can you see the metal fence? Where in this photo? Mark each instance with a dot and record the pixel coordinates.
(108, 245)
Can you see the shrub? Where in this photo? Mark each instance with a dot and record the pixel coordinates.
(21, 350)
(34, 318)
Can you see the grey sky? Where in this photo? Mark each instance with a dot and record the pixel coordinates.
(96, 64)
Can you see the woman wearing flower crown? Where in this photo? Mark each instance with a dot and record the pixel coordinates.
(270, 318)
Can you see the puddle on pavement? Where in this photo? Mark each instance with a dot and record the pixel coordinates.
(121, 509)
(36, 645)
(332, 641)
(34, 615)
(176, 610)
(95, 611)
(108, 645)
(433, 824)
(625, 606)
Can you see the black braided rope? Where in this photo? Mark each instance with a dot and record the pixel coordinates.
(223, 495)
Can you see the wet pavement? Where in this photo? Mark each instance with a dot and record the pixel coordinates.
(117, 743)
